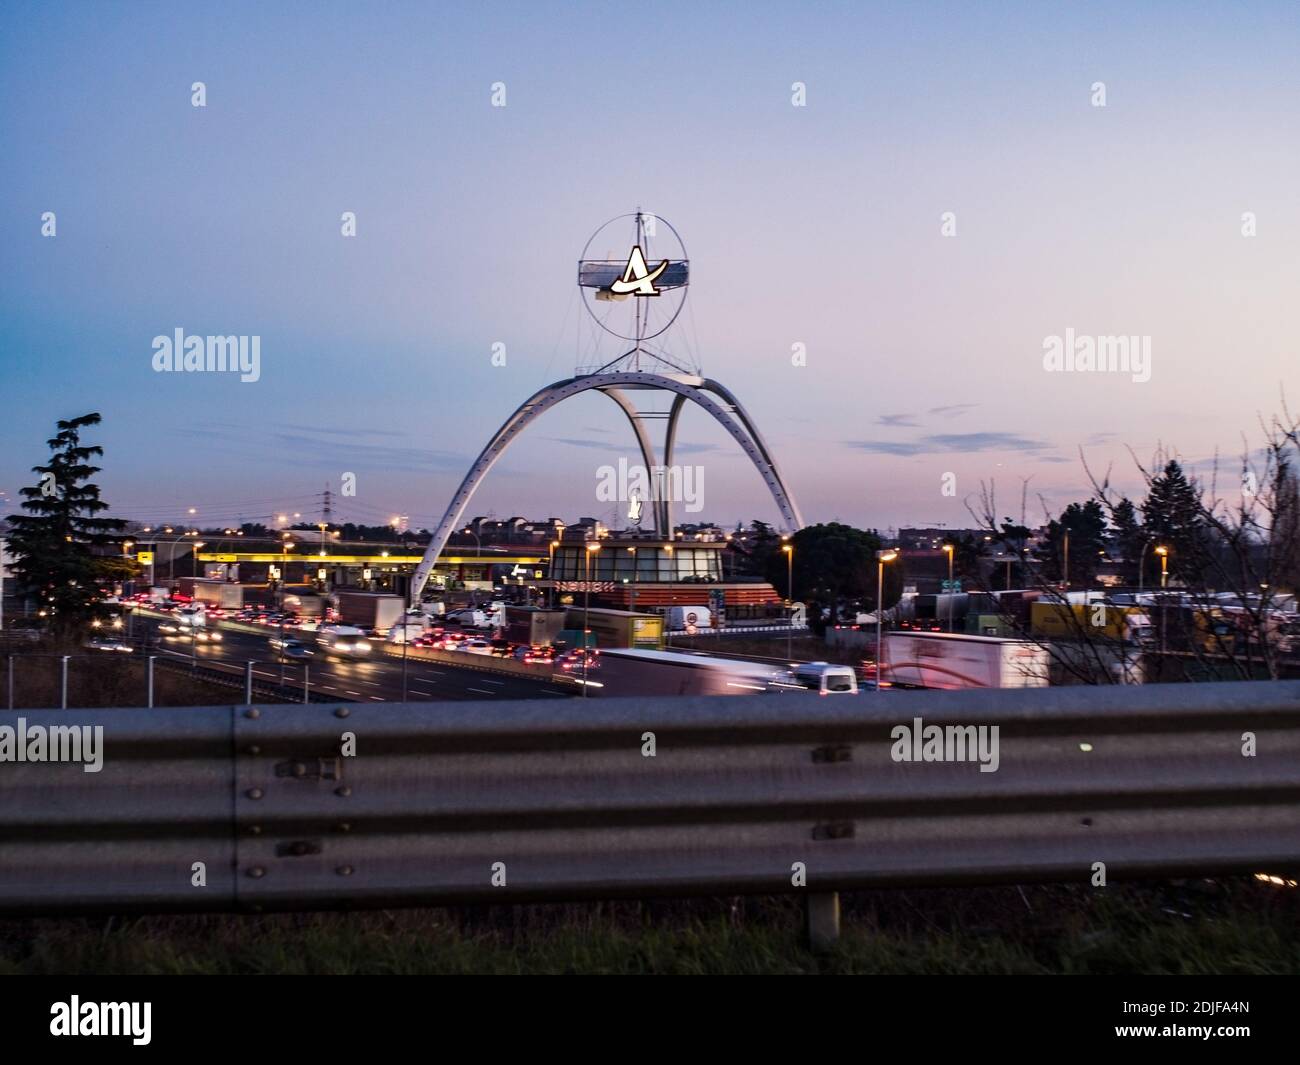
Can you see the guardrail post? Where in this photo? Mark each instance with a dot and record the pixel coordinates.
(148, 672)
(306, 683)
(823, 908)
(248, 682)
(64, 703)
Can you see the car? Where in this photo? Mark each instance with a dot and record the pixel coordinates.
(572, 661)
(109, 645)
(477, 646)
(168, 628)
(536, 655)
(292, 649)
(207, 636)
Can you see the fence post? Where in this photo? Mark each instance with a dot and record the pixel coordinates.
(149, 673)
(248, 682)
(823, 919)
(64, 703)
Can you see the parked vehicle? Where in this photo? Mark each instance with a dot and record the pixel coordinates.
(1097, 620)
(681, 617)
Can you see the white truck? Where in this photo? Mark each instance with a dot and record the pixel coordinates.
(682, 618)
(955, 660)
(636, 671)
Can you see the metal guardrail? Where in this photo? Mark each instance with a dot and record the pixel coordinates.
(450, 802)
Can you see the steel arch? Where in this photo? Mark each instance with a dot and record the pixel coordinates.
(731, 417)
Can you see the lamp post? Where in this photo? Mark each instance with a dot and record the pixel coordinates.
(592, 547)
(550, 570)
(668, 632)
(948, 550)
(631, 603)
(881, 558)
(286, 545)
(789, 591)
(1163, 552)
(478, 547)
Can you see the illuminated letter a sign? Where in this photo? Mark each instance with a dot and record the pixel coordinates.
(637, 277)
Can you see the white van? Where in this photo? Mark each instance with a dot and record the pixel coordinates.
(680, 618)
(346, 641)
(825, 678)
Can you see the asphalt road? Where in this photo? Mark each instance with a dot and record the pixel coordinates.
(378, 679)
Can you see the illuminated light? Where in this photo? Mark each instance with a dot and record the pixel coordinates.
(1085, 747)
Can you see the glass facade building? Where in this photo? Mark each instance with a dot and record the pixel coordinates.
(639, 563)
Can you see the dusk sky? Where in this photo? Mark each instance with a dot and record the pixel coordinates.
(817, 225)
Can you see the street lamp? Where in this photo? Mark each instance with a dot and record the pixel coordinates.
(631, 605)
(286, 545)
(1163, 552)
(550, 570)
(948, 550)
(592, 547)
(478, 547)
(881, 558)
(789, 591)
(672, 592)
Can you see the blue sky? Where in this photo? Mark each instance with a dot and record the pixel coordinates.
(817, 225)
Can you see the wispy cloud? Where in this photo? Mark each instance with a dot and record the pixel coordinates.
(952, 410)
(902, 421)
(949, 442)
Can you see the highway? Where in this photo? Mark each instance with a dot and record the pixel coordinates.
(377, 680)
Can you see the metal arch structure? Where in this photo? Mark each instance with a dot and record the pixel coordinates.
(707, 394)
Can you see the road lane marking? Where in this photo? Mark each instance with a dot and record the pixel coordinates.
(479, 691)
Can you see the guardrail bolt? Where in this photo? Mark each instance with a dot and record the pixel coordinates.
(299, 770)
(257, 872)
(344, 791)
(344, 826)
(253, 713)
(255, 749)
(254, 793)
(342, 711)
(344, 870)
(254, 830)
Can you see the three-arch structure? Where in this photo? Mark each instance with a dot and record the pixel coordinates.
(713, 397)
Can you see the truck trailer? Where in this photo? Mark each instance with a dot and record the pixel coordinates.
(369, 610)
(955, 660)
